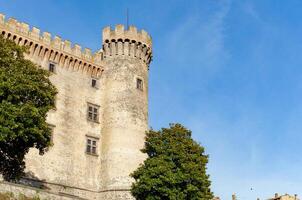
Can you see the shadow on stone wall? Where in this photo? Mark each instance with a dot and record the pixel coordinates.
(29, 179)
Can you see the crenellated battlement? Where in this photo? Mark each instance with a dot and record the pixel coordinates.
(130, 42)
(59, 51)
(132, 34)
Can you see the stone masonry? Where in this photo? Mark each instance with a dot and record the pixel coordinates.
(101, 111)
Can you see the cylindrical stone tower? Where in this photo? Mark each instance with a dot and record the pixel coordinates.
(127, 54)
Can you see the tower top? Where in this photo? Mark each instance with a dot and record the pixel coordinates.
(128, 42)
(132, 35)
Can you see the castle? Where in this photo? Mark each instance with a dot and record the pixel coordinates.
(101, 115)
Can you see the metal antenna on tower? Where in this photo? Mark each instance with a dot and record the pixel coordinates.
(127, 19)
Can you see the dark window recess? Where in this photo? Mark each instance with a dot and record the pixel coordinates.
(51, 67)
(52, 129)
(91, 146)
(93, 83)
(93, 113)
(139, 84)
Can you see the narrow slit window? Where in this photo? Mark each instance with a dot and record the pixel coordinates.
(139, 84)
(52, 67)
(51, 127)
(93, 83)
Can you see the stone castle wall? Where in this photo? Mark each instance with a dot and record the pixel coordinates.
(122, 107)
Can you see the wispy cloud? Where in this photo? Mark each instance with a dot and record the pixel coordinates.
(199, 39)
(195, 50)
(250, 9)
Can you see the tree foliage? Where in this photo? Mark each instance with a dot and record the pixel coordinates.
(175, 168)
(26, 95)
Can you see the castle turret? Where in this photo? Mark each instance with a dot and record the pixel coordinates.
(126, 57)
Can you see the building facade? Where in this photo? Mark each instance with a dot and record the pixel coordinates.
(284, 197)
(101, 110)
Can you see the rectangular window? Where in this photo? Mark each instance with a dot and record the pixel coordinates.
(93, 83)
(139, 84)
(93, 113)
(91, 146)
(52, 67)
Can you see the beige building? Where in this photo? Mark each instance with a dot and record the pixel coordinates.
(284, 197)
(101, 112)
(276, 197)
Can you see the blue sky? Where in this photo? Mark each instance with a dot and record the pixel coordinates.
(229, 70)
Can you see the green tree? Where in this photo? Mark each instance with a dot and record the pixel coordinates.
(26, 95)
(175, 168)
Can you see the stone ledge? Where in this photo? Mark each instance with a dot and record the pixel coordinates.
(32, 192)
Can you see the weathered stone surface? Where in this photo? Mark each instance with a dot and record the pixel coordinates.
(33, 192)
